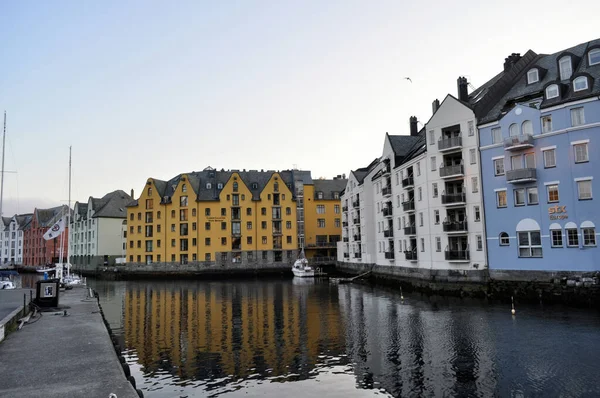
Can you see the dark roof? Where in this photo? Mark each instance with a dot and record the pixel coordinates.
(330, 187)
(47, 217)
(23, 219)
(361, 173)
(520, 91)
(111, 205)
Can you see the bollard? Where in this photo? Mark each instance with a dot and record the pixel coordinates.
(126, 370)
(132, 381)
(139, 393)
(24, 301)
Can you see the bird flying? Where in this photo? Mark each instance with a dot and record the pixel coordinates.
(408, 78)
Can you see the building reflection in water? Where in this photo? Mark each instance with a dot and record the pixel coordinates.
(211, 330)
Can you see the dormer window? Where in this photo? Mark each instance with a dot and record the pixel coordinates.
(566, 70)
(219, 186)
(580, 84)
(533, 76)
(552, 91)
(208, 186)
(594, 57)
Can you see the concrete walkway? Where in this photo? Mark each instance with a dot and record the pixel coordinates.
(12, 299)
(60, 356)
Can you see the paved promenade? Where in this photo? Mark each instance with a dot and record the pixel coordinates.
(63, 356)
(10, 300)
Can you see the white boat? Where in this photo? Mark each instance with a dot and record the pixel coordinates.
(6, 281)
(7, 284)
(301, 268)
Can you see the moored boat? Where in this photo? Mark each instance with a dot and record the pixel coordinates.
(301, 268)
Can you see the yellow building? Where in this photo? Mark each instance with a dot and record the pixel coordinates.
(233, 216)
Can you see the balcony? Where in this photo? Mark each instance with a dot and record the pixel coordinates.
(344, 223)
(389, 255)
(454, 198)
(356, 204)
(408, 206)
(387, 168)
(277, 246)
(408, 182)
(277, 232)
(455, 226)
(387, 211)
(356, 220)
(386, 191)
(410, 255)
(357, 255)
(236, 234)
(518, 142)
(322, 244)
(456, 170)
(411, 230)
(388, 233)
(449, 144)
(456, 255)
(521, 175)
(344, 208)
(357, 238)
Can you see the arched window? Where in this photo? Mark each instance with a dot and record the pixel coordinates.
(183, 188)
(552, 91)
(208, 186)
(503, 239)
(513, 130)
(527, 127)
(556, 237)
(580, 83)
(149, 191)
(235, 187)
(566, 70)
(529, 239)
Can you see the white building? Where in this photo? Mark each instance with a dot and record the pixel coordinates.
(98, 230)
(11, 242)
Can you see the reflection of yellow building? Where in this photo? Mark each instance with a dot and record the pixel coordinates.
(231, 329)
(232, 216)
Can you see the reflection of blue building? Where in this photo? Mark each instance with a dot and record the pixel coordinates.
(539, 148)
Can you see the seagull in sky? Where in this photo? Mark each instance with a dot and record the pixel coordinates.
(408, 78)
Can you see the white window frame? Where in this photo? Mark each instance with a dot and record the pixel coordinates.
(421, 219)
(434, 189)
(552, 91)
(438, 244)
(433, 163)
(475, 184)
(471, 128)
(529, 245)
(553, 233)
(550, 186)
(476, 213)
(569, 243)
(496, 163)
(503, 240)
(577, 81)
(516, 193)
(566, 70)
(533, 76)
(546, 163)
(473, 156)
(431, 137)
(513, 130)
(479, 243)
(548, 119)
(496, 135)
(436, 216)
(423, 244)
(420, 193)
(595, 51)
(528, 195)
(527, 127)
(577, 116)
(498, 199)
(590, 234)
(418, 169)
(582, 183)
(584, 153)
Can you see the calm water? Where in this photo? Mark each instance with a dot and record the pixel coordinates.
(303, 338)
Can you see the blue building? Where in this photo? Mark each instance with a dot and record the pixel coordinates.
(540, 147)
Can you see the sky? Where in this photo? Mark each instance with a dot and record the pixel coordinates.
(145, 89)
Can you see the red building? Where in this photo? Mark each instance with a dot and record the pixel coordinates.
(37, 250)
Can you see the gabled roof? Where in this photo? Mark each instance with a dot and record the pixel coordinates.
(361, 173)
(111, 205)
(47, 217)
(330, 187)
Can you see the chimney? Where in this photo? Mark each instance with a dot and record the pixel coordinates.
(132, 197)
(414, 129)
(511, 60)
(463, 93)
(435, 105)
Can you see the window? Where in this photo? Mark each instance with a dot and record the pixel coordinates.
(223, 241)
(422, 244)
(530, 244)
(249, 225)
(207, 226)
(321, 223)
(249, 240)
(235, 187)
(496, 136)
(193, 226)
(436, 216)
(263, 211)
(264, 240)
(580, 84)
(263, 224)
(479, 243)
(183, 201)
(336, 210)
(549, 158)
(420, 219)
(584, 189)
(223, 211)
(223, 226)
(207, 257)
(173, 243)
(594, 57)
(288, 224)
(532, 196)
(420, 193)
(527, 127)
(499, 167)
(220, 185)
(530, 160)
(475, 184)
(577, 117)
(546, 124)
(552, 91)
(438, 244)
(572, 237)
(433, 163)
(503, 239)
(249, 211)
(320, 209)
(207, 212)
(533, 76)
(418, 168)
(581, 152)
(472, 156)
(193, 213)
(589, 236)
(552, 193)
(471, 128)
(434, 188)
(501, 198)
(556, 237)
(564, 64)
(431, 137)
(520, 197)
(513, 130)
(516, 162)
(477, 213)
(337, 224)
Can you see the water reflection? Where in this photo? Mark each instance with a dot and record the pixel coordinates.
(246, 337)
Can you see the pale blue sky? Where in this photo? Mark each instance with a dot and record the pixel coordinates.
(151, 89)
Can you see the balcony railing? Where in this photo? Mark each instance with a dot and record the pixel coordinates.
(387, 211)
(356, 220)
(277, 246)
(410, 230)
(344, 223)
(322, 244)
(346, 239)
(388, 233)
(344, 208)
(408, 206)
(408, 182)
(410, 255)
(277, 232)
(455, 226)
(450, 143)
(389, 255)
(452, 171)
(518, 142)
(456, 255)
(236, 234)
(357, 255)
(356, 204)
(454, 198)
(521, 175)
(357, 238)
(386, 191)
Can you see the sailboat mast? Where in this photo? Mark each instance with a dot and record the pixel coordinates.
(68, 217)
(2, 172)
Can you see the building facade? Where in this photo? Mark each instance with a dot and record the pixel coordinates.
(98, 230)
(539, 153)
(11, 244)
(38, 251)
